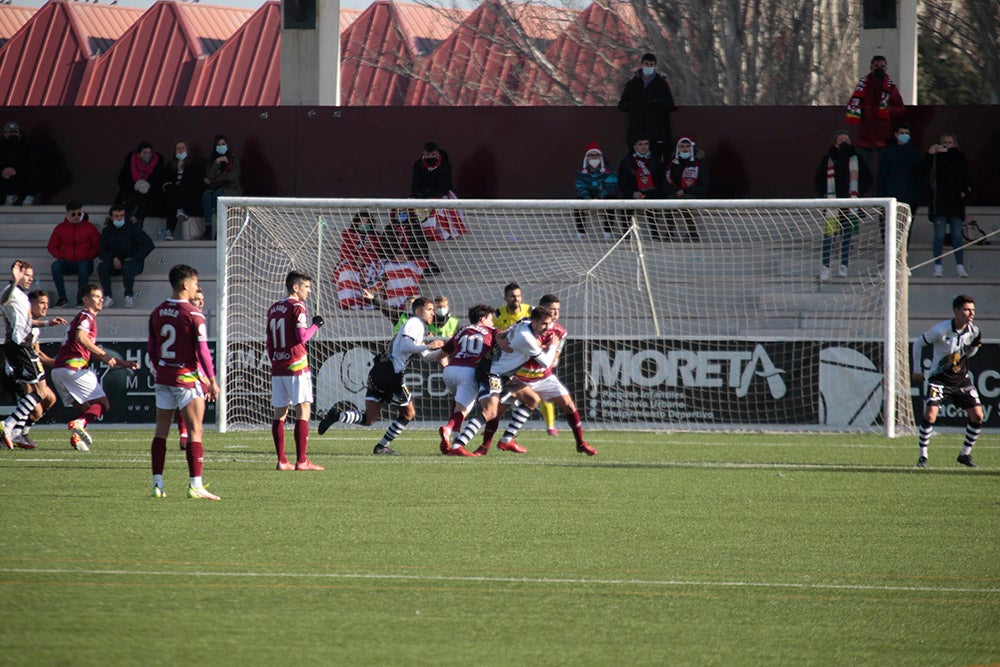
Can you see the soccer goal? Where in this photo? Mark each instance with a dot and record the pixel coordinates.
(694, 315)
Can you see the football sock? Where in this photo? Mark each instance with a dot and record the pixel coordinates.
(158, 480)
(395, 428)
(196, 482)
(491, 428)
(195, 458)
(21, 411)
(158, 454)
(575, 425)
(925, 430)
(278, 436)
(548, 413)
(93, 413)
(351, 417)
(455, 421)
(181, 426)
(469, 431)
(923, 452)
(301, 439)
(517, 420)
(972, 431)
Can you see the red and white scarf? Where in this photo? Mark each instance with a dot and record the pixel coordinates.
(643, 176)
(854, 106)
(831, 177)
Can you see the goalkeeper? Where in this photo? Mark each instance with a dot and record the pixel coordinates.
(953, 342)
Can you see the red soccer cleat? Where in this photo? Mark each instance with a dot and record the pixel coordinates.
(584, 448)
(460, 451)
(553, 431)
(482, 451)
(308, 465)
(285, 465)
(512, 446)
(445, 434)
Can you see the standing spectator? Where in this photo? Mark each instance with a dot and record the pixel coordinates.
(222, 179)
(182, 188)
(841, 173)
(140, 182)
(688, 177)
(874, 104)
(17, 167)
(899, 170)
(648, 102)
(431, 174)
(123, 250)
(595, 181)
(444, 324)
(74, 244)
(950, 184)
(641, 176)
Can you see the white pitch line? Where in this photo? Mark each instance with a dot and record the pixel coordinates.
(513, 580)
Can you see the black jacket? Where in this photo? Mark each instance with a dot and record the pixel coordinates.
(128, 242)
(947, 179)
(648, 108)
(431, 184)
(842, 173)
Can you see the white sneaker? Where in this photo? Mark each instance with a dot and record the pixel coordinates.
(961, 272)
(824, 273)
(129, 302)
(169, 236)
(938, 270)
(10, 200)
(109, 302)
(842, 271)
(181, 215)
(28, 201)
(607, 235)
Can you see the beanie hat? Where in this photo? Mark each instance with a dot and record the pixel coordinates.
(591, 147)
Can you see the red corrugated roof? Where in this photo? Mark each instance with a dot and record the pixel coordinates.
(347, 17)
(375, 59)
(11, 20)
(246, 69)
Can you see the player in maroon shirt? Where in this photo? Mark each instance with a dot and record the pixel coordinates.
(178, 348)
(467, 350)
(288, 331)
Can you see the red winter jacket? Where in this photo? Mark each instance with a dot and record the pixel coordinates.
(74, 241)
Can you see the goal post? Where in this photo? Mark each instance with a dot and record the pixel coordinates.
(682, 315)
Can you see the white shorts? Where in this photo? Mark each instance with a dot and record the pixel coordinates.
(76, 386)
(175, 398)
(461, 383)
(289, 390)
(548, 388)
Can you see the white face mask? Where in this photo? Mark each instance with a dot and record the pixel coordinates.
(648, 71)
(684, 155)
(441, 312)
(594, 162)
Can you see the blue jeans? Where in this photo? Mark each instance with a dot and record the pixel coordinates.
(130, 269)
(209, 200)
(66, 267)
(940, 221)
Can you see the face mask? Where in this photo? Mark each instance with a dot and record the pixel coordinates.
(402, 217)
(684, 155)
(643, 155)
(118, 223)
(441, 313)
(594, 162)
(222, 150)
(431, 162)
(648, 71)
(180, 156)
(145, 158)
(903, 139)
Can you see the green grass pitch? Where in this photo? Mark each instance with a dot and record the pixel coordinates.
(665, 549)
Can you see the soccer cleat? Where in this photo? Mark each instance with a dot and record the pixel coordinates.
(79, 428)
(383, 450)
(285, 465)
(482, 451)
(961, 272)
(24, 441)
(938, 270)
(966, 460)
(332, 416)
(584, 448)
(5, 436)
(308, 465)
(512, 446)
(553, 431)
(77, 443)
(159, 492)
(201, 493)
(842, 271)
(922, 462)
(445, 434)
(460, 451)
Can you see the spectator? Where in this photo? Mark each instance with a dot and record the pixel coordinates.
(687, 177)
(595, 181)
(950, 185)
(182, 188)
(74, 244)
(445, 324)
(222, 179)
(874, 104)
(641, 176)
(140, 183)
(899, 170)
(431, 174)
(17, 167)
(648, 102)
(123, 249)
(841, 173)
(360, 262)
(405, 236)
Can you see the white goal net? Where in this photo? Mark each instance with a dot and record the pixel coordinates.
(711, 314)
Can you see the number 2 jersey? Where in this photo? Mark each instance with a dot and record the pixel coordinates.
(288, 329)
(72, 353)
(951, 351)
(178, 341)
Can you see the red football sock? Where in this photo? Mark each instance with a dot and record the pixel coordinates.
(301, 440)
(195, 457)
(576, 425)
(93, 413)
(181, 425)
(278, 435)
(158, 454)
(491, 428)
(455, 422)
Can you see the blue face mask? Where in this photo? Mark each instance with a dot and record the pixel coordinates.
(684, 155)
(903, 139)
(180, 156)
(118, 223)
(222, 150)
(402, 217)
(648, 71)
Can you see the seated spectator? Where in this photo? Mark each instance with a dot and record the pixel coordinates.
(140, 183)
(641, 176)
(687, 177)
(222, 179)
(182, 187)
(595, 181)
(405, 235)
(432, 180)
(841, 173)
(73, 243)
(123, 251)
(360, 262)
(899, 170)
(18, 168)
